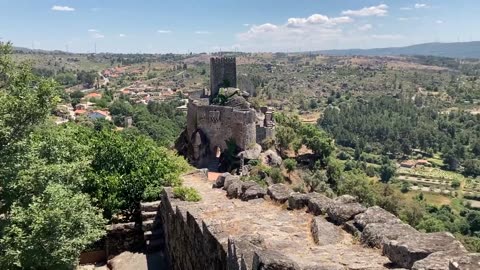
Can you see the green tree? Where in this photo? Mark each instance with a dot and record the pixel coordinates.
(334, 172)
(357, 184)
(387, 171)
(127, 170)
(284, 136)
(317, 140)
(431, 224)
(25, 99)
(472, 167)
(290, 165)
(51, 232)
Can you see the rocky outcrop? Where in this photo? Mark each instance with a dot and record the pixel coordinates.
(297, 200)
(252, 191)
(272, 260)
(252, 153)
(324, 232)
(409, 249)
(378, 234)
(318, 205)
(375, 214)
(270, 158)
(279, 192)
(438, 260)
(225, 180)
(467, 262)
(242, 190)
(340, 213)
(345, 199)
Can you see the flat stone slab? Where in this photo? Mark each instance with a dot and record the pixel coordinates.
(406, 250)
(318, 204)
(340, 213)
(279, 192)
(324, 232)
(378, 234)
(438, 260)
(468, 262)
(375, 214)
(285, 232)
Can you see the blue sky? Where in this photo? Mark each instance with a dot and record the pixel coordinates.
(182, 26)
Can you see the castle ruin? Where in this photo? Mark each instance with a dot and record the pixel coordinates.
(212, 123)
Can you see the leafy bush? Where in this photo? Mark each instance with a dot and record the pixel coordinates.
(276, 175)
(186, 194)
(51, 232)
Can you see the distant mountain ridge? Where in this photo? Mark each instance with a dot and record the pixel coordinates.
(453, 50)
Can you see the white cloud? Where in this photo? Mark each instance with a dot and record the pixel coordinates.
(365, 27)
(439, 21)
(164, 31)
(317, 19)
(406, 8)
(246, 24)
(62, 8)
(380, 10)
(388, 36)
(93, 30)
(418, 5)
(202, 32)
(122, 35)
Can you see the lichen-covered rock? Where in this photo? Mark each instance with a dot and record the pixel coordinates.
(252, 153)
(375, 214)
(229, 179)
(272, 260)
(253, 192)
(345, 199)
(324, 232)
(350, 227)
(438, 260)
(467, 262)
(340, 213)
(270, 158)
(378, 234)
(318, 204)
(234, 189)
(220, 180)
(406, 250)
(279, 192)
(297, 200)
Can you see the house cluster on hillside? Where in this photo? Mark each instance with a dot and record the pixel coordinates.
(117, 72)
(140, 92)
(66, 112)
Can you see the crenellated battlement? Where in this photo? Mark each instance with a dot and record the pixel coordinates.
(223, 60)
(223, 73)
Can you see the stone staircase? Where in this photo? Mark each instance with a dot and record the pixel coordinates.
(152, 227)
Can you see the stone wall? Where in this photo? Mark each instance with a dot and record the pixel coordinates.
(190, 245)
(222, 70)
(220, 123)
(123, 237)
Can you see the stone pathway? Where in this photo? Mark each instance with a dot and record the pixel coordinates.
(287, 232)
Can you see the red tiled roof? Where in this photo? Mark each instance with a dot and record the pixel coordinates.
(80, 111)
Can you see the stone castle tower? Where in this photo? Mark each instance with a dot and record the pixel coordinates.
(223, 73)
